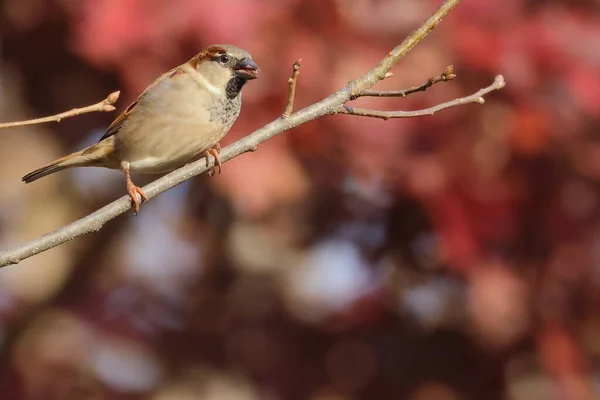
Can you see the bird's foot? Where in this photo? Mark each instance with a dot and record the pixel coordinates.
(133, 192)
(215, 153)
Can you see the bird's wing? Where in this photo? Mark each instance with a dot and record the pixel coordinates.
(118, 122)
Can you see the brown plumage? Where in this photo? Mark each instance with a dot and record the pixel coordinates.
(179, 118)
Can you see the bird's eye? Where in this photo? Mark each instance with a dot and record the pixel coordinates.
(224, 59)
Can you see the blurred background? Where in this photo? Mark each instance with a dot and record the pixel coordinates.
(441, 258)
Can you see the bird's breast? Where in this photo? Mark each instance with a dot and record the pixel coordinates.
(174, 129)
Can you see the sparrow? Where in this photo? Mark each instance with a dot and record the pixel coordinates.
(178, 119)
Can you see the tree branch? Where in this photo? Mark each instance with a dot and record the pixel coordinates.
(292, 94)
(105, 105)
(327, 106)
(385, 115)
(445, 76)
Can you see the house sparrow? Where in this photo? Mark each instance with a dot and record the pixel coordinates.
(179, 118)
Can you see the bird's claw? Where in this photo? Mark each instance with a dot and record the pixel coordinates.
(215, 153)
(133, 192)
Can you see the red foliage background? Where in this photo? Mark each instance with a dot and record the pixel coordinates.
(446, 257)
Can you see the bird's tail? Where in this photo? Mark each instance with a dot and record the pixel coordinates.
(90, 156)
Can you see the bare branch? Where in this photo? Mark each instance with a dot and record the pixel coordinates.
(385, 115)
(445, 76)
(327, 106)
(380, 71)
(105, 105)
(292, 94)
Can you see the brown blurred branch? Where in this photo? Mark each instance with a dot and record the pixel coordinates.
(385, 115)
(292, 94)
(327, 106)
(105, 105)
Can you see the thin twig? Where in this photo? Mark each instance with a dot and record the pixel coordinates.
(385, 115)
(292, 93)
(329, 105)
(445, 76)
(105, 105)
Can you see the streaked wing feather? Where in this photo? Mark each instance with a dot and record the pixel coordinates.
(116, 124)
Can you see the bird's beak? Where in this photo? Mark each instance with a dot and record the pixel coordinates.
(247, 68)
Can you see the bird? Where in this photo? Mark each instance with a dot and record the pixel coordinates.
(177, 119)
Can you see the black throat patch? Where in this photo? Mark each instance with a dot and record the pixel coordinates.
(234, 86)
